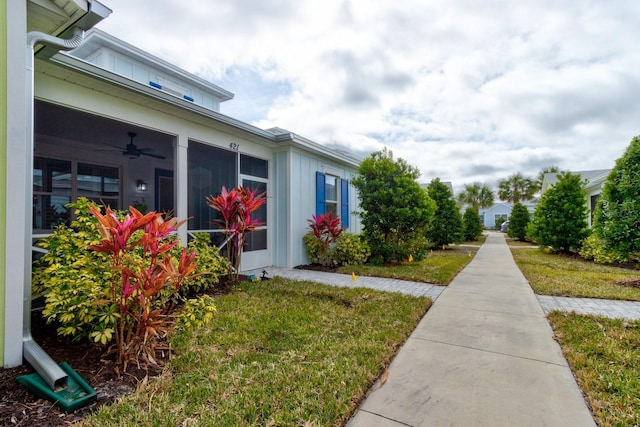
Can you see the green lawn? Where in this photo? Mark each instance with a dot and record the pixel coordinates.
(550, 274)
(439, 267)
(279, 352)
(604, 357)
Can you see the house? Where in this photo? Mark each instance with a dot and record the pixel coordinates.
(117, 125)
(594, 182)
(493, 216)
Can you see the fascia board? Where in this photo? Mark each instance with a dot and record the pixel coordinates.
(305, 144)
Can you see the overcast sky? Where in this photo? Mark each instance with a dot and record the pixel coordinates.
(465, 90)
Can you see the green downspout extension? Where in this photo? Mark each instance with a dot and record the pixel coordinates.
(3, 167)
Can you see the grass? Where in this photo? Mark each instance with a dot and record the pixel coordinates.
(513, 243)
(439, 267)
(478, 242)
(279, 352)
(550, 274)
(604, 357)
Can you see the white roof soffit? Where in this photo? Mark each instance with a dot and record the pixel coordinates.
(59, 17)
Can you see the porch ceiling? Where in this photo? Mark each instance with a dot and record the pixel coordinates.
(92, 131)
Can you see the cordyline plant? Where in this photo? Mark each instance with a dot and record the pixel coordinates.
(326, 229)
(139, 282)
(235, 207)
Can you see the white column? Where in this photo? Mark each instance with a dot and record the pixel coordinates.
(19, 160)
(182, 187)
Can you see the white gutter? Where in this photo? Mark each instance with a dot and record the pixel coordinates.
(53, 375)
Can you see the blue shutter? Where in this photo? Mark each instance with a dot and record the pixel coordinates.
(321, 205)
(344, 202)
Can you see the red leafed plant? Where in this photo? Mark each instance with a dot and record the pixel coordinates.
(235, 207)
(137, 289)
(326, 229)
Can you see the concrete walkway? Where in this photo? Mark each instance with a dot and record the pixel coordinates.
(483, 355)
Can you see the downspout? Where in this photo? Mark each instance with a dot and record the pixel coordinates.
(52, 374)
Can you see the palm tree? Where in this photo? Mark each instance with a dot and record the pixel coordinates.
(543, 172)
(517, 188)
(476, 195)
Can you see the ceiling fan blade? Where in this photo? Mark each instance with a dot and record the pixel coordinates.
(157, 156)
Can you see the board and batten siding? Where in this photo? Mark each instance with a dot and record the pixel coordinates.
(303, 198)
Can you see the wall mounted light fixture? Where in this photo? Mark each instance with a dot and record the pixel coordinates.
(141, 185)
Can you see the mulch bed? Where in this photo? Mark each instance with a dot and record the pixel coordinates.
(18, 407)
(317, 267)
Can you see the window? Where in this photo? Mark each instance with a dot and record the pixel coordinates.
(57, 182)
(500, 218)
(332, 195)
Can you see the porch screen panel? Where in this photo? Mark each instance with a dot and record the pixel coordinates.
(52, 189)
(99, 183)
(209, 169)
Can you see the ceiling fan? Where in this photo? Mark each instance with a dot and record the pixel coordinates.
(133, 152)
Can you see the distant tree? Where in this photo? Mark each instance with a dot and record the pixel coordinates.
(545, 170)
(516, 188)
(396, 211)
(560, 218)
(472, 225)
(476, 195)
(446, 226)
(617, 216)
(518, 222)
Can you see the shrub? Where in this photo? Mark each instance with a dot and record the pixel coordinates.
(211, 265)
(350, 249)
(560, 219)
(471, 225)
(446, 226)
(593, 249)
(138, 282)
(312, 248)
(110, 277)
(325, 230)
(518, 222)
(236, 208)
(197, 312)
(395, 210)
(617, 216)
(73, 278)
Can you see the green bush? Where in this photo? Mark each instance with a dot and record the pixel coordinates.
(76, 280)
(518, 222)
(395, 211)
(350, 249)
(313, 248)
(593, 249)
(560, 219)
(471, 225)
(197, 312)
(617, 216)
(211, 265)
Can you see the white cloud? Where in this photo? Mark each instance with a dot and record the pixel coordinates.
(464, 90)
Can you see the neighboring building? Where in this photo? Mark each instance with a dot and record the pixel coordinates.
(120, 126)
(594, 181)
(492, 217)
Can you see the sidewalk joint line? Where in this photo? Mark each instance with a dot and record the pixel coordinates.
(492, 352)
(386, 418)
